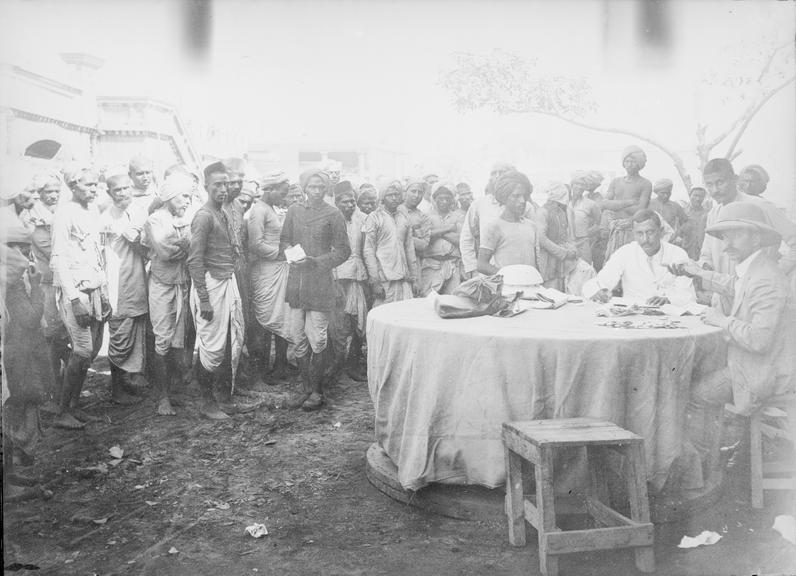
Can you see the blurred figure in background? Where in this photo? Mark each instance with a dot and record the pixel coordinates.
(693, 231)
(753, 180)
(671, 212)
(625, 196)
(464, 196)
(557, 254)
(586, 215)
(441, 263)
(144, 191)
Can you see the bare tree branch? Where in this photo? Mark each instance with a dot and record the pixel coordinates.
(675, 157)
(752, 113)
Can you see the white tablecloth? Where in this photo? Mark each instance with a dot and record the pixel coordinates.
(442, 388)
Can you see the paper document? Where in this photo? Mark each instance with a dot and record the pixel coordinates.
(295, 254)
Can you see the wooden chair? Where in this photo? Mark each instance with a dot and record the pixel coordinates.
(535, 442)
(777, 475)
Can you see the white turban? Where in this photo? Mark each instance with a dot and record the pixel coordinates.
(175, 184)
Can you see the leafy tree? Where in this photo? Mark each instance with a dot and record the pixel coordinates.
(738, 87)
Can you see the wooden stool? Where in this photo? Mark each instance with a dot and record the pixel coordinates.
(535, 442)
(780, 475)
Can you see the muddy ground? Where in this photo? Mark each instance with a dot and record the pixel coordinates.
(179, 499)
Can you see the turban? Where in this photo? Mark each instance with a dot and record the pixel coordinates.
(15, 179)
(175, 184)
(557, 192)
(594, 178)
(579, 176)
(305, 176)
(41, 180)
(663, 185)
(388, 185)
(503, 167)
(249, 189)
(343, 188)
(440, 187)
(508, 182)
(413, 180)
(758, 171)
(274, 179)
(636, 153)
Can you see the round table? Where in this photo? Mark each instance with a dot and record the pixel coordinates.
(442, 388)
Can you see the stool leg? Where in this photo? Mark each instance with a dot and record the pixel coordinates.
(639, 502)
(756, 461)
(545, 503)
(515, 499)
(598, 486)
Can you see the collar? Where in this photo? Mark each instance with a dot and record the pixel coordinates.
(743, 267)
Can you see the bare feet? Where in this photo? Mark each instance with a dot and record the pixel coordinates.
(313, 402)
(298, 400)
(84, 416)
(164, 408)
(123, 399)
(68, 422)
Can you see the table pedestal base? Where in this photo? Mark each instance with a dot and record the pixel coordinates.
(469, 502)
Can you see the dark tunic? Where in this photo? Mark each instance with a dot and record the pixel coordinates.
(322, 234)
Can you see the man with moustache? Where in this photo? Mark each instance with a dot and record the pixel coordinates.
(721, 183)
(269, 272)
(144, 192)
(757, 319)
(48, 186)
(78, 274)
(126, 276)
(418, 219)
(320, 231)
(389, 249)
(643, 268)
(347, 325)
(464, 197)
(441, 263)
(215, 300)
(167, 235)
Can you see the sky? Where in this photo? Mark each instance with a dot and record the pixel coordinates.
(369, 73)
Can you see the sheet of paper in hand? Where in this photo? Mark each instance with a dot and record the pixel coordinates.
(295, 254)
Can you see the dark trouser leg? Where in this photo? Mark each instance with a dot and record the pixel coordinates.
(280, 358)
(223, 382)
(258, 355)
(317, 377)
(190, 345)
(354, 369)
(120, 386)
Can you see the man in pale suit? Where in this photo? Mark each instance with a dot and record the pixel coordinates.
(756, 315)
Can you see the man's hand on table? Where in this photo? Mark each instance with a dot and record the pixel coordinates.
(603, 296)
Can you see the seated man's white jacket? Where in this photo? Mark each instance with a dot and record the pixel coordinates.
(644, 276)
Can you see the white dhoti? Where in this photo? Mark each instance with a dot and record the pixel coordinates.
(269, 285)
(168, 312)
(227, 321)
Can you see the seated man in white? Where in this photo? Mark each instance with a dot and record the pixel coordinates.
(642, 267)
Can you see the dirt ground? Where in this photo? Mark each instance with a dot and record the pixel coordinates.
(179, 499)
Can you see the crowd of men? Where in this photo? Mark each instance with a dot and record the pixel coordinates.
(244, 268)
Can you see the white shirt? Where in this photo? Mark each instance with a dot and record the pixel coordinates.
(644, 276)
(743, 267)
